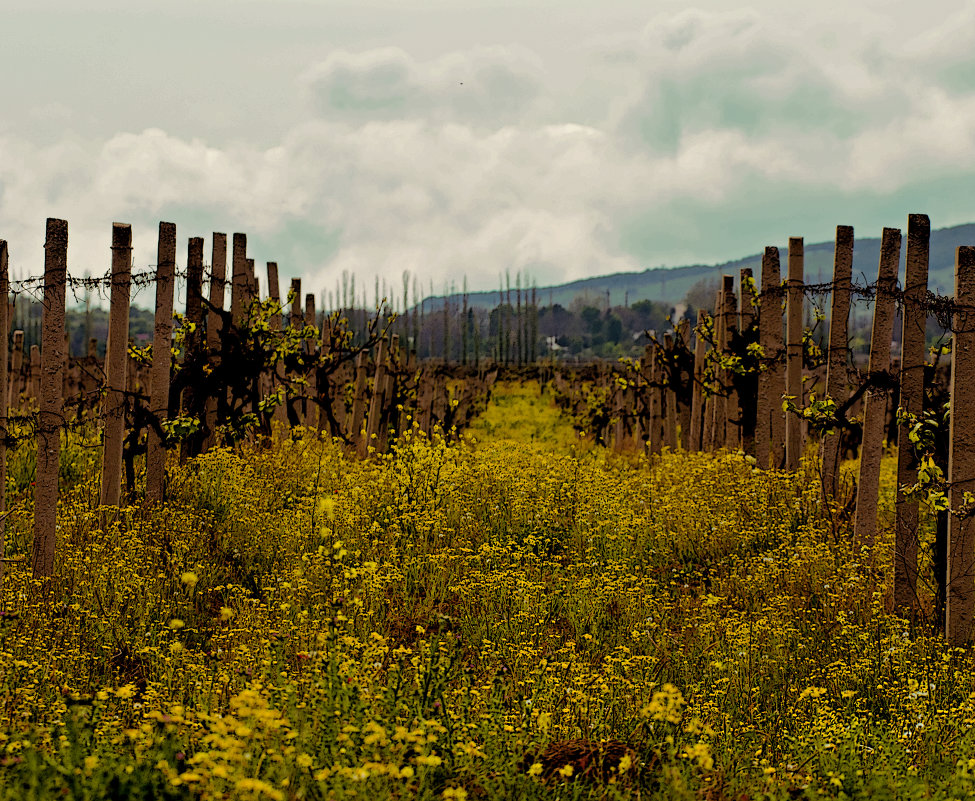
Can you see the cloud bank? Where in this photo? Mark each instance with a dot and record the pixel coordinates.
(717, 132)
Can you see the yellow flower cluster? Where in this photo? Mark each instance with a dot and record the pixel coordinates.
(440, 620)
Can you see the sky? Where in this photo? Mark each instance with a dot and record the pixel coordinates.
(559, 138)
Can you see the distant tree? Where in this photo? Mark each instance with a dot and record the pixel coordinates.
(701, 295)
(593, 318)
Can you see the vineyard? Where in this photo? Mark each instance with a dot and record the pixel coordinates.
(277, 554)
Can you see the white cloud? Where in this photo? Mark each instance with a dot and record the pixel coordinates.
(464, 163)
(484, 85)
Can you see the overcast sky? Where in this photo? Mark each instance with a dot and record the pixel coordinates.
(559, 137)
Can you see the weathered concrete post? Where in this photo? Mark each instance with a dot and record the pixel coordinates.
(253, 287)
(874, 400)
(375, 403)
(17, 371)
(913, 326)
(194, 293)
(240, 285)
(218, 278)
(194, 337)
(770, 423)
(838, 355)
(683, 407)
(354, 430)
(793, 354)
(35, 374)
(732, 423)
(746, 318)
(697, 393)
(960, 601)
(656, 376)
(4, 363)
(116, 358)
(274, 293)
(311, 346)
(746, 309)
(162, 342)
(720, 398)
(51, 401)
(670, 401)
(296, 322)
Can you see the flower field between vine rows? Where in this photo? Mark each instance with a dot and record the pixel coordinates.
(445, 620)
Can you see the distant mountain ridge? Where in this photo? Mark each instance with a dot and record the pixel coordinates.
(670, 284)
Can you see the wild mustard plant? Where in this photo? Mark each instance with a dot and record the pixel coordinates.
(453, 618)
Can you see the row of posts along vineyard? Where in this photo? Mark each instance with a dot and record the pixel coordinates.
(750, 377)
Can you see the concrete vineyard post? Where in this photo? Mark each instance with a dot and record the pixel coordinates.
(875, 400)
(746, 311)
(34, 375)
(354, 430)
(732, 423)
(746, 317)
(296, 322)
(17, 370)
(193, 339)
(837, 354)
(914, 324)
(51, 400)
(793, 354)
(194, 293)
(683, 406)
(618, 414)
(311, 404)
(670, 401)
(4, 364)
(643, 395)
(274, 293)
(116, 358)
(253, 287)
(240, 281)
(161, 356)
(770, 423)
(218, 278)
(721, 376)
(375, 403)
(654, 389)
(387, 413)
(697, 393)
(960, 596)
